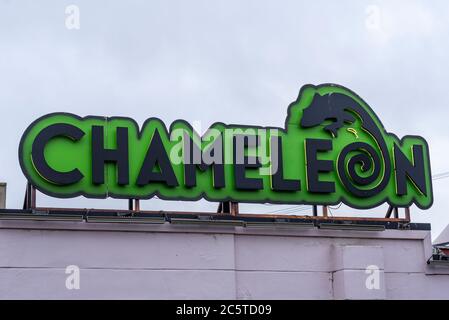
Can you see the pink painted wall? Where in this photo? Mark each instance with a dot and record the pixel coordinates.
(125, 261)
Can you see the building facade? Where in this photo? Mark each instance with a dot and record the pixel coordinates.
(167, 261)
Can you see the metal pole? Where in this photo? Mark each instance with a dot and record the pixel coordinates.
(26, 201)
(407, 214)
(234, 208)
(390, 210)
(33, 197)
(325, 211)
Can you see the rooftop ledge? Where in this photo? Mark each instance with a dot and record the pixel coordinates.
(244, 224)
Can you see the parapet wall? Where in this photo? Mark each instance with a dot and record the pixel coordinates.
(140, 261)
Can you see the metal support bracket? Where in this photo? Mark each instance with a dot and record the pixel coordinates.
(325, 210)
(228, 207)
(30, 197)
(395, 211)
(133, 204)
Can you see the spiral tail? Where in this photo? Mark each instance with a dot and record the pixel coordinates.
(370, 161)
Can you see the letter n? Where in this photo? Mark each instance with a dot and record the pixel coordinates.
(413, 171)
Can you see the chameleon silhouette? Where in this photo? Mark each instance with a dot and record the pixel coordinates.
(342, 109)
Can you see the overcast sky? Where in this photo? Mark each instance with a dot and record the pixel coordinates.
(230, 61)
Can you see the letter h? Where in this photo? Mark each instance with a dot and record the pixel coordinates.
(100, 155)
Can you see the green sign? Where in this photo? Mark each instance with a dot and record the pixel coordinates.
(332, 149)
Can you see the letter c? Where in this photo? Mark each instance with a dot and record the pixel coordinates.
(38, 157)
